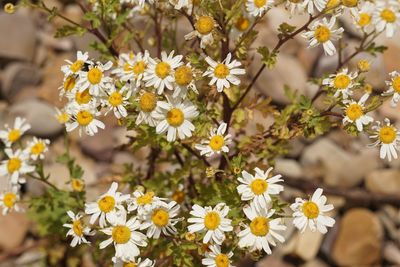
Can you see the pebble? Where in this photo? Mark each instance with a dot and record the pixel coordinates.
(13, 229)
(386, 181)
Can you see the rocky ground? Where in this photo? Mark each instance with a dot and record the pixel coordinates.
(366, 233)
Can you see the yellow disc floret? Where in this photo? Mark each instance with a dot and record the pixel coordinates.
(258, 186)
(14, 135)
(341, 81)
(350, 3)
(364, 20)
(387, 134)
(260, 3)
(396, 84)
(106, 204)
(76, 66)
(204, 25)
(77, 227)
(9, 8)
(83, 97)
(162, 69)
(13, 164)
(183, 75)
(322, 34)
(77, 184)
(388, 15)
(38, 148)
(69, 83)
(310, 210)
(115, 99)
(84, 117)
(148, 102)
(139, 67)
(212, 220)
(121, 234)
(175, 117)
(354, 111)
(259, 226)
(95, 75)
(9, 199)
(221, 71)
(222, 260)
(217, 142)
(242, 23)
(160, 217)
(145, 199)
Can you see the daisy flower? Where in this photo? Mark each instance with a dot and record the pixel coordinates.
(257, 8)
(218, 142)
(69, 85)
(311, 213)
(9, 200)
(12, 135)
(125, 237)
(77, 230)
(147, 104)
(388, 139)
(223, 73)
(134, 263)
(387, 17)
(15, 166)
(241, 25)
(394, 88)
(262, 230)
(116, 100)
(342, 82)
(355, 113)
(322, 32)
(203, 29)
(75, 67)
(143, 202)
(94, 78)
(215, 258)
(106, 206)
(179, 4)
(132, 67)
(160, 74)
(212, 221)
(363, 17)
(62, 116)
(259, 187)
(311, 5)
(162, 219)
(84, 117)
(37, 147)
(174, 117)
(78, 97)
(184, 80)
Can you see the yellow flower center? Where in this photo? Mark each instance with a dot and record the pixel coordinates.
(221, 71)
(106, 204)
(183, 75)
(178, 196)
(310, 210)
(363, 65)
(69, 83)
(212, 220)
(148, 102)
(204, 25)
(77, 227)
(76, 66)
(14, 164)
(387, 134)
(217, 142)
(322, 34)
(139, 67)
(14, 135)
(242, 24)
(145, 199)
(77, 185)
(258, 186)
(163, 69)
(175, 117)
(259, 226)
(84, 117)
(129, 264)
(121, 234)
(115, 99)
(63, 117)
(83, 97)
(38, 148)
(364, 19)
(396, 84)
(332, 4)
(350, 3)
(9, 8)
(94, 75)
(341, 81)
(9, 199)
(160, 217)
(260, 3)
(128, 67)
(354, 111)
(222, 260)
(388, 15)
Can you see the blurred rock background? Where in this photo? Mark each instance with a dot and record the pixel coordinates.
(366, 233)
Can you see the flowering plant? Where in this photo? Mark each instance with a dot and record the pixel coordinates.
(189, 101)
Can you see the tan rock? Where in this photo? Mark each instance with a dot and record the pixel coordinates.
(385, 181)
(13, 228)
(359, 241)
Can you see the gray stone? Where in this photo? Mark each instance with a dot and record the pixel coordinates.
(17, 76)
(99, 146)
(18, 37)
(289, 168)
(40, 115)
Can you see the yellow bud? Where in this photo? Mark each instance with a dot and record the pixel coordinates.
(190, 236)
(368, 88)
(363, 65)
(9, 8)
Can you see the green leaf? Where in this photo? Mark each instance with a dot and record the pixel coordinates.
(68, 30)
(268, 58)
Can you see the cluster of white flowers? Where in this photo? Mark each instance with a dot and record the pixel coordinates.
(19, 161)
(131, 219)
